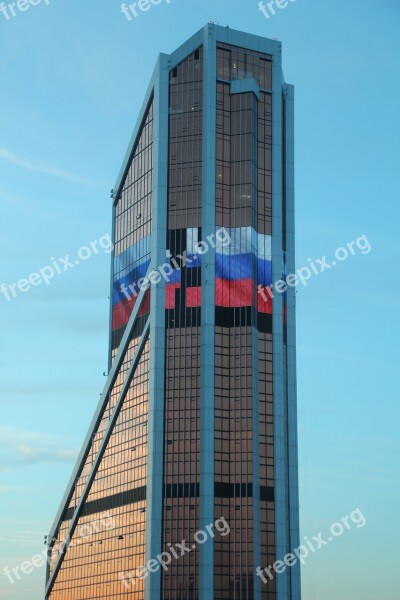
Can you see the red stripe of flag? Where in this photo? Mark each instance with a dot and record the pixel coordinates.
(170, 294)
(233, 294)
(123, 310)
(193, 296)
(264, 300)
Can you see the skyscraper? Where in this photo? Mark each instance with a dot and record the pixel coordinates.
(197, 420)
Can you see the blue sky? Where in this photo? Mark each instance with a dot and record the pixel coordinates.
(72, 78)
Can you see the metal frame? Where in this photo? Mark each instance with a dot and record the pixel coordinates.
(107, 434)
(207, 349)
(255, 398)
(278, 359)
(155, 462)
(110, 311)
(114, 371)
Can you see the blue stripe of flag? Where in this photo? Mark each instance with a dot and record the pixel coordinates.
(131, 278)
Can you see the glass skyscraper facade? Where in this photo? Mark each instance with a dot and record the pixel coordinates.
(197, 420)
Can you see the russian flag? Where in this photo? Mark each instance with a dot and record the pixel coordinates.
(123, 310)
(240, 266)
(133, 255)
(192, 239)
(130, 266)
(121, 287)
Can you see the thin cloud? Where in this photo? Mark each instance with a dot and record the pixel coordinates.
(46, 170)
(47, 388)
(21, 448)
(9, 489)
(9, 436)
(28, 455)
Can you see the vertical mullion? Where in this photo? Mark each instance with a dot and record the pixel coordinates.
(154, 512)
(207, 426)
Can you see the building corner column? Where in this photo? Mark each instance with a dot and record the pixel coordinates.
(207, 378)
